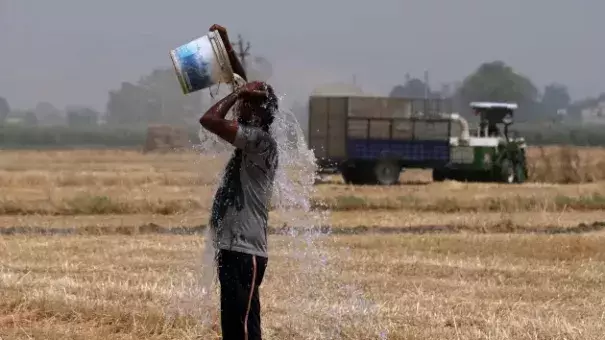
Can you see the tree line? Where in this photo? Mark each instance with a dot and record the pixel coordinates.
(156, 98)
(497, 81)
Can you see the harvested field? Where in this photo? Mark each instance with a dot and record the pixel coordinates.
(117, 272)
(374, 287)
(566, 164)
(124, 182)
(546, 165)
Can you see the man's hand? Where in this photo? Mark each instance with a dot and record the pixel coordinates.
(222, 31)
(235, 62)
(254, 88)
(214, 119)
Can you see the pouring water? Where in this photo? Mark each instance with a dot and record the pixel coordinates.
(291, 202)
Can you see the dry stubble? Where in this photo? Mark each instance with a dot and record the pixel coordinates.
(370, 287)
(178, 188)
(355, 287)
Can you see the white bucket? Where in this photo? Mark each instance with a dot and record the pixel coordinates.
(202, 63)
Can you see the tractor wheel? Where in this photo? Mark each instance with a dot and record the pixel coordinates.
(457, 175)
(471, 176)
(386, 172)
(507, 172)
(520, 174)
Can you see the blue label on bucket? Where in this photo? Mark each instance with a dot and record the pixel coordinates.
(193, 64)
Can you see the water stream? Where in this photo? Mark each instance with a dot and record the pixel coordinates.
(293, 189)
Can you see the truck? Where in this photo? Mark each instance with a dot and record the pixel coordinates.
(371, 140)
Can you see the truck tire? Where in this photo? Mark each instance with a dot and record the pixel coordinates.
(357, 174)
(349, 175)
(439, 175)
(386, 172)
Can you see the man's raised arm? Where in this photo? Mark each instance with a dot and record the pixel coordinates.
(214, 119)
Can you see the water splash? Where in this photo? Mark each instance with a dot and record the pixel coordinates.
(306, 232)
(304, 229)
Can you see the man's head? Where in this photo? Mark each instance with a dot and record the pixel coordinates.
(258, 108)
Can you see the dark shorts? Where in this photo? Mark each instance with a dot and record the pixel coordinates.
(240, 275)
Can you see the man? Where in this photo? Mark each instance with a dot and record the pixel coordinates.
(241, 205)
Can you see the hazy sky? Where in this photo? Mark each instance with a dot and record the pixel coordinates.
(74, 51)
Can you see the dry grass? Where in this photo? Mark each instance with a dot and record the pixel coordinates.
(369, 287)
(458, 197)
(165, 138)
(99, 285)
(125, 182)
(566, 164)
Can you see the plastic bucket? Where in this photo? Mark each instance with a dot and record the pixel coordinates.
(202, 63)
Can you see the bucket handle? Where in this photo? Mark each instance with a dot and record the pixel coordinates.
(220, 51)
(238, 81)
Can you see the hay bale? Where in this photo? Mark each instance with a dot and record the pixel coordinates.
(164, 138)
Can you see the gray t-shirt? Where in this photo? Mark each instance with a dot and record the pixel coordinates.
(241, 205)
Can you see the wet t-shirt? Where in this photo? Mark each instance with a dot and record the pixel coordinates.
(241, 205)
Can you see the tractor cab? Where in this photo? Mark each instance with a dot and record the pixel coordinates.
(494, 118)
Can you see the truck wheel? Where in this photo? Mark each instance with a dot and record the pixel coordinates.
(439, 175)
(349, 175)
(507, 172)
(387, 172)
(359, 174)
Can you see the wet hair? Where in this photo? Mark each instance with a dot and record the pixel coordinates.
(265, 107)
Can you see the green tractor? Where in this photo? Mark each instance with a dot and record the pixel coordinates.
(489, 153)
